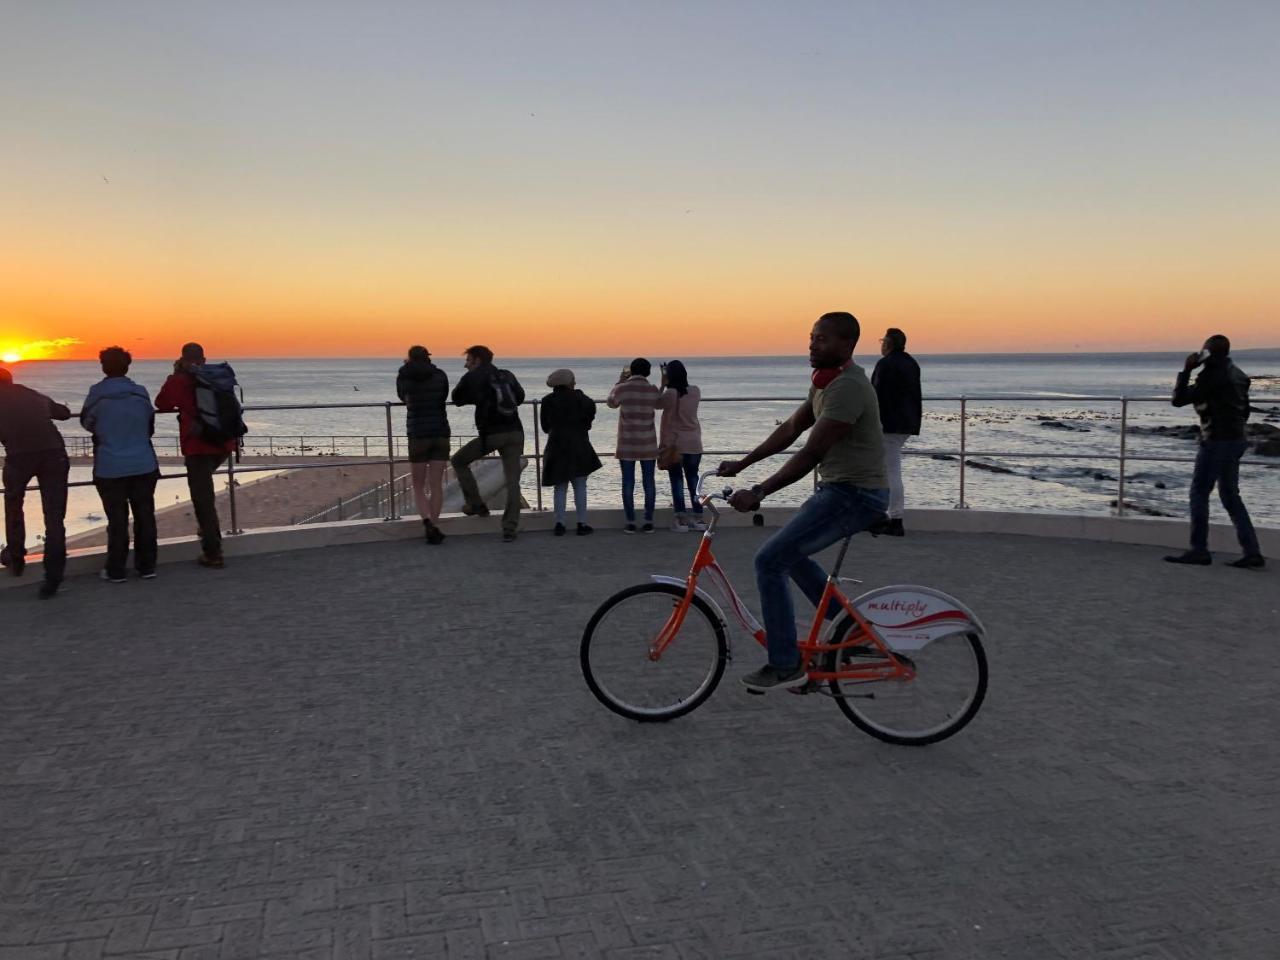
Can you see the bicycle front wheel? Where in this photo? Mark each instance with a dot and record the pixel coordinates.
(949, 686)
(616, 662)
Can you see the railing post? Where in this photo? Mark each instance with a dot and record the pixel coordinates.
(366, 446)
(391, 467)
(537, 453)
(231, 494)
(271, 448)
(1124, 429)
(962, 505)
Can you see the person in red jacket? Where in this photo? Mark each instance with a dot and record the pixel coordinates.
(201, 457)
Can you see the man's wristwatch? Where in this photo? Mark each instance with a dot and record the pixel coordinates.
(758, 490)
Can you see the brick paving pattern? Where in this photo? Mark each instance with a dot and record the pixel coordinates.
(387, 751)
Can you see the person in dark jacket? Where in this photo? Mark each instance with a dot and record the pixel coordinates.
(424, 388)
(33, 448)
(1221, 398)
(497, 396)
(566, 416)
(201, 457)
(897, 382)
(118, 413)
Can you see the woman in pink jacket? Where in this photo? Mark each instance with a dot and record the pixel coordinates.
(681, 429)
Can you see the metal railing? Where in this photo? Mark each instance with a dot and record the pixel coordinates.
(392, 456)
(367, 505)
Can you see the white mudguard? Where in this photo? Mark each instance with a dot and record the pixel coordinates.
(910, 617)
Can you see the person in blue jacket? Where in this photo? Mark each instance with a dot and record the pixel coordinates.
(119, 414)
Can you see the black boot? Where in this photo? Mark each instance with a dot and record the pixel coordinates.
(1198, 558)
(433, 533)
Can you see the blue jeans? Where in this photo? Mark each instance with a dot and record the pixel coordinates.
(629, 488)
(836, 511)
(685, 470)
(1218, 462)
(560, 499)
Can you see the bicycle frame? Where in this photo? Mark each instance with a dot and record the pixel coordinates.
(889, 666)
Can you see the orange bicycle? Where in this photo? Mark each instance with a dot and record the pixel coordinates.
(905, 663)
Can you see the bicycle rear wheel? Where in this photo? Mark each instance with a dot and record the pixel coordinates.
(615, 654)
(945, 694)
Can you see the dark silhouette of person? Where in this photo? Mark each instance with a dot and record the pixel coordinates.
(33, 449)
(1221, 398)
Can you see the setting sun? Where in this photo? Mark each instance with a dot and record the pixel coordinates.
(10, 356)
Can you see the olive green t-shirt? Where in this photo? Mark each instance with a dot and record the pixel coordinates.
(859, 457)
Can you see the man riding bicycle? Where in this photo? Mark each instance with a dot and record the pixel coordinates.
(846, 447)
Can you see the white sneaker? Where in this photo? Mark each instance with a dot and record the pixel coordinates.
(697, 525)
(681, 527)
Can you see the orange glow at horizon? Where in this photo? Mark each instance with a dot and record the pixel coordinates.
(59, 348)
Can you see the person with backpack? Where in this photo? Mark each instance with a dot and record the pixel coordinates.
(567, 414)
(496, 395)
(635, 398)
(210, 427)
(118, 413)
(33, 449)
(680, 443)
(424, 389)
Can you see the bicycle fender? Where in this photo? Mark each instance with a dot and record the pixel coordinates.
(910, 617)
(682, 583)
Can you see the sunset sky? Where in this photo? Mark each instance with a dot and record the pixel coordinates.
(288, 178)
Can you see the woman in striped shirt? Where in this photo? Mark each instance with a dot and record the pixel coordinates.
(635, 398)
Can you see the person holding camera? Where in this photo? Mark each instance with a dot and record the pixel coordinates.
(635, 399)
(680, 443)
(202, 457)
(1220, 396)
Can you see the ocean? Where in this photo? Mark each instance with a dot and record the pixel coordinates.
(746, 396)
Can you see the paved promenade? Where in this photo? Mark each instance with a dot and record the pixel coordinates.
(387, 751)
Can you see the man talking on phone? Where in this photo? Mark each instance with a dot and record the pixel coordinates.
(1221, 398)
(846, 446)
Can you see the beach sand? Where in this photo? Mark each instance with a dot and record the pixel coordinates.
(275, 500)
(284, 498)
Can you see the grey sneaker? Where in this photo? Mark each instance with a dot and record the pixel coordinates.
(770, 677)
(103, 575)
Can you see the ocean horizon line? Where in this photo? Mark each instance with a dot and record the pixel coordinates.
(977, 355)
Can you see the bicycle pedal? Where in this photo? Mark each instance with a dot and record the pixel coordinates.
(808, 687)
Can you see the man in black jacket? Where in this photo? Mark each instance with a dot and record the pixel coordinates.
(424, 388)
(897, 382)
(497, 396)
(1221, 398)
(33, 448)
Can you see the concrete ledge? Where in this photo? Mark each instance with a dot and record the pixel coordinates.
(1150, 531)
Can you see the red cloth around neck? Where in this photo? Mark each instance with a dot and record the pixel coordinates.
(823, 376)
